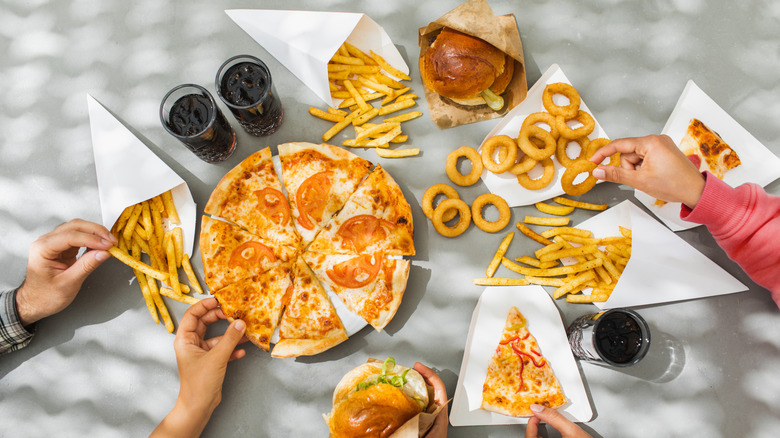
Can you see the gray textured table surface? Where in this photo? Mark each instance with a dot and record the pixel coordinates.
(102, 368)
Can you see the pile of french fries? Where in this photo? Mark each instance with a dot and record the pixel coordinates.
(599, 261)
(358, 78)
(152, 227)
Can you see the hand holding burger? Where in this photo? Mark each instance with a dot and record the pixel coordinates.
(375, 399)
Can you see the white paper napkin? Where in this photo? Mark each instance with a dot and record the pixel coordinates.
(759, 164)
(663, 267)
(304, 41)
(128, 172)
(487, 324)
(505, 184)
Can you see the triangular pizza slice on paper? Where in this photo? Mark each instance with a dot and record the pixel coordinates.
(519, 375)
(376, 219)
(309, 324)
(370, 286)
(319, 180)
(250, 195)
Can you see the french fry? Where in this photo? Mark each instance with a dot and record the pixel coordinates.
(568, 252)
(377, 129)
(495, 281)
(551, 272)
(545, 281)
(119, 225)
(135, 264)
(170, 207)
(316, 112)
(579, 204)
(347, 59)
(548, 221)
(173, 277)
(368, 115)
(335, 129)
(185, 263)
(389, 135)
(566, 230)
(354, 69)
(163, 309)
(386, 80)
(357, 53)
(170, 293)
(368, 83)
(355, 95)
(132, 221)
(337, 112)
(405, 117)
(572, 284)
(177, 235)
(554, 246)
(625, 232)
(388, 68)
(535, 262)
(532, 234)
(150, 306)
(397, 106)
(592, 298)
(502, 247)
(397, 153)
(554, 209)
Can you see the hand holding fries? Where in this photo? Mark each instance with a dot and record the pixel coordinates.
(140, 230)
(54, 274)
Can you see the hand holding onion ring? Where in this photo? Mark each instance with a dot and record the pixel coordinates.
(579, 166)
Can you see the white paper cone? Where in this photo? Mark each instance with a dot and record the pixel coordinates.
(304, 41)
(128, 172)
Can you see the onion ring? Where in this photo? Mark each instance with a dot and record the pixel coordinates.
(504, 214)
(544, 181)
(463, 223)
(564, 89)
(523, 165)
(470, 154)
(530, 149)
(579, 166)
(506, 160)
(588, 124)
(542, 117)
(431, 193)
(593, 146)
(563, 157)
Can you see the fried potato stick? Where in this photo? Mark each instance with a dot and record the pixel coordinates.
(502, 248)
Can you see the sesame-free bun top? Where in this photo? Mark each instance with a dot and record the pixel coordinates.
(460, 67)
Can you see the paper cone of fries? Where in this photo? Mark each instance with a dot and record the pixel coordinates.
(128, 172)
(663, 267)
(304, 41)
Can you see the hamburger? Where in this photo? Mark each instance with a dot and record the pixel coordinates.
(375, 399)
(467, 70)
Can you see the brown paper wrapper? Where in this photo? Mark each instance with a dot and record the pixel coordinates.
(475, 17)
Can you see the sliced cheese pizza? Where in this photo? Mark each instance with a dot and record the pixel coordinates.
(371, 286)
(518, 374)
(258, 301)
(707, 150)
(319, 179)
(230, 254)
(309, 324)
(375, 219)
(250, 195)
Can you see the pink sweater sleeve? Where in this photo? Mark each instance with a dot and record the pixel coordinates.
(745, 222)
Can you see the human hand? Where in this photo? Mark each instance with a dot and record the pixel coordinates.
(555, 419)
(202, 364)
(654, 165)
(439, 427)
(54, 274)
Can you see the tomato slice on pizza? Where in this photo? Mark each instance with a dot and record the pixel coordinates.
(707, 150)
(250, 195)
(319, 179)
(309, 324)
(230, 253)
(375, 219)
(518, 374)
(370, 285)
(258, 301)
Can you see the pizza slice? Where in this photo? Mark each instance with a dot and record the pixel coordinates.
(371, 286)
(518, 374)
(710, 151)
(375, 219)
(230, 253)
(309, 323)
(258, 301)
(319, 179)
(250, 195)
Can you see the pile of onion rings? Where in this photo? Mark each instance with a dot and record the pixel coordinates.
(453, 206)
(537, 145)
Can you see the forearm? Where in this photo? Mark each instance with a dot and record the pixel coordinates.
(745, 221)
(182, 421)
(13, 333)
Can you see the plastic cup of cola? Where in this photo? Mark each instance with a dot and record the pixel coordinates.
(189, 113)
(244, 84)
(617, 337)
